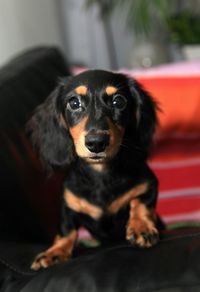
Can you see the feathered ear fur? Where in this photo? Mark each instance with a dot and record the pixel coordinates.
(146, 117)
(48, 134)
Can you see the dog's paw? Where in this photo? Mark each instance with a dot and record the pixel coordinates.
(47, 259)
(142, 234)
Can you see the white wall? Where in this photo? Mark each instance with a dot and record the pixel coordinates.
(86, 41)
(27, 23)
(84, 35)
(67, 24)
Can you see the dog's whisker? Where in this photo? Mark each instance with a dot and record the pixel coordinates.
(124, 145)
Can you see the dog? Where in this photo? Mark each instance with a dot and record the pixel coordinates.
(98, 127)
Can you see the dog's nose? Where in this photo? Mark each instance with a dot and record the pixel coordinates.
(97, 143)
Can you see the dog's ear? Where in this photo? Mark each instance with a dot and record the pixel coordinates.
(146, 118)
(49, 134)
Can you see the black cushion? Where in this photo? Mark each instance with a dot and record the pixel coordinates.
(25, 82)
(173, 265)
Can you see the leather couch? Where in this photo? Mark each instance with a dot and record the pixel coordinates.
(29, 207)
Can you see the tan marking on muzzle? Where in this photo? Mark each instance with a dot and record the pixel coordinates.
(123, 200)
(78, 135)
(82, 205)
(81, 90)
(110, 90)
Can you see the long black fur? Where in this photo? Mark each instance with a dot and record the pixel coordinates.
(52, 139)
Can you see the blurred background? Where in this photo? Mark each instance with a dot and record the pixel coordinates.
(108, 34)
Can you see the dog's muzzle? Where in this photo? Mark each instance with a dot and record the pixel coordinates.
(97, 143)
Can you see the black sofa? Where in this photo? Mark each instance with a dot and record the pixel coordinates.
(29, 207)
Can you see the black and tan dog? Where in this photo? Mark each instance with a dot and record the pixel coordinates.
(99, 126)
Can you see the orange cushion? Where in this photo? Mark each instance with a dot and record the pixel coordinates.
(179, 100)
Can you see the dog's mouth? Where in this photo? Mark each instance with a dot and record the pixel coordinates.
(97, 158)
(103, 157)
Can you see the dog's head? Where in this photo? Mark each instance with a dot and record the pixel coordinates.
(91, 116)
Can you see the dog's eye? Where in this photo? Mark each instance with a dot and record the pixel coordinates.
(74, 103)
(119, 102)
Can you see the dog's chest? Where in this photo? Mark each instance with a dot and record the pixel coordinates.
(102, 198)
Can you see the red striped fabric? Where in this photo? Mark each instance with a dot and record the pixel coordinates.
(176, 157)
(179, 185)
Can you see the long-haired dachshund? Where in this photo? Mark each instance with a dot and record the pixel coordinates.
(98, 126)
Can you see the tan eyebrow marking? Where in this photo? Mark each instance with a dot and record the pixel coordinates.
(82, 205)
(127, 197)
(82, 90)
(111, 90)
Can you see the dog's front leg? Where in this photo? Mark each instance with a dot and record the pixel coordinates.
(60, 251)
(141, 227)
(63, 245)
